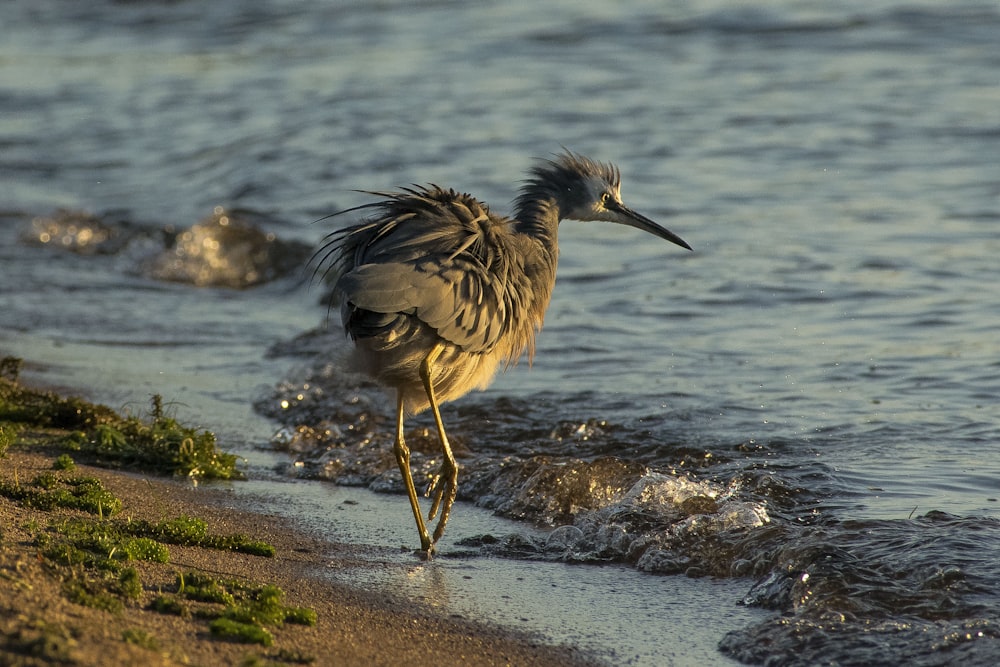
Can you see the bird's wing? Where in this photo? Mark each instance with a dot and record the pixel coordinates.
(443, 258)
(462, 302)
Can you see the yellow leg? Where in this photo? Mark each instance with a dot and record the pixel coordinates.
(444, 487)
(403, 459)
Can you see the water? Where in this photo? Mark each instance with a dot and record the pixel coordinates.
(803, 409)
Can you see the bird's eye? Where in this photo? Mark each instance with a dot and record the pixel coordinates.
(605, 198)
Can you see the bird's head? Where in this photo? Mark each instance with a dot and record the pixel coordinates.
(590, 190)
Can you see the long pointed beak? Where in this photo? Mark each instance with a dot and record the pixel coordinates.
(639, 221)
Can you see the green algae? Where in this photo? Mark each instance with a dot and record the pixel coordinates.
(49, 491)
(92, 553)
(105, 544)
(241, 611)
(50, 643)
(89, 592)
(64, 462)
(157, 443)
(141, 638)
(191, 531)
(130, 583)
(170, 605)
(248, 633)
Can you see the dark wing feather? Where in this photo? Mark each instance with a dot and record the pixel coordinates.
(438, 256)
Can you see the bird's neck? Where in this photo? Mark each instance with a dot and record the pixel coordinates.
(537, 228)
(537, 213)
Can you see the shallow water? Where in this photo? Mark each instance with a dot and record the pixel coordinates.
(803, 409)
(612, 611)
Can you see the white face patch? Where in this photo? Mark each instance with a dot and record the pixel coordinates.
(593, 207)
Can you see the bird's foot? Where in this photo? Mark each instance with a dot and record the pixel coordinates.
(442, 489)
(443, 486)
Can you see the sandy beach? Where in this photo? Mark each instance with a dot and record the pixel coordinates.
(353, 627)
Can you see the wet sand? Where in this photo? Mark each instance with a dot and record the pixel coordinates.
(354, 627)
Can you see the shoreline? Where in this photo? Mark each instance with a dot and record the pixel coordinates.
(353, 626)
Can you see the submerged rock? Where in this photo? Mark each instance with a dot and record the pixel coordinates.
(80, 232)
(224, 251)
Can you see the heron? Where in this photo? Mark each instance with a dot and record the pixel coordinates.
(438, 292)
